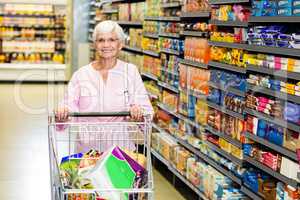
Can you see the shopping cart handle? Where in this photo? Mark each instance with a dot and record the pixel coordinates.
(99, 114)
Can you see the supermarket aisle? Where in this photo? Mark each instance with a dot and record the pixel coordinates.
(24, 171)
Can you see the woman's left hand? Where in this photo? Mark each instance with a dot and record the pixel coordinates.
(136, 112)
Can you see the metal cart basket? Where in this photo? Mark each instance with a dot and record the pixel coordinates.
(83, 133)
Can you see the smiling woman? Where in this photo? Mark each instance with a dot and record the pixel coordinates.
(106, 84)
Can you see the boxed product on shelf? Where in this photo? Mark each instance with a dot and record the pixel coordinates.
(192, 172)
(170, 27)
(170, 99)
(137, 11)
(186, 104)
(196, 5)
(235, 35)
(152, 8)
(273, 62)
(284, 192)
(201, 112)
(150, 44)
(195, 79)
(234, 12)
(152, 65)
(172, 44)
(181, 156)
(124, 12)
(196, 49)
(151, 27)
(291, 140)
(289, 168)
(169, 69)
(291, 88)
(228, 56)
(274, 36)
(171, 12)
(225, 79)
(135, 36)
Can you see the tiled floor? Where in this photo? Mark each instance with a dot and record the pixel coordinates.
(24, 171)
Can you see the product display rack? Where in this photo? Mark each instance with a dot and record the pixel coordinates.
(31, 43)
(276, 94)
(246, 161)
(273, 72)
(229, 23)
(262, 141)
(193, 63)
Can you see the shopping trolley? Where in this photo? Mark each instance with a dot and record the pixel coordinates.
(69, 138)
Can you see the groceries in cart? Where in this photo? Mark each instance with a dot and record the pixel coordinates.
(112, 169)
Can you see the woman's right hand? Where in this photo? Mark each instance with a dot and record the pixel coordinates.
(61, 114)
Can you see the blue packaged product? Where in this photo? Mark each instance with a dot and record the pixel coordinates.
(296, 12)
(296, 4)
(285, 11)
(285, 3)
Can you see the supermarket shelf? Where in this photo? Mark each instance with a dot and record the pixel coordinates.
(170, 5)
(232, 68)
(171, 35)
(210, 162)
(165, 108)
(148, 75)
(151, 53)
(225, 110)
(134, 49)
(275, 19)
(32, 72)
(228, 45)
(151, 35)
(252, 195)
(173, 19)
(26, 15)
(193, 63)
(37, 26)
(274, 50)
(228, 23)
(276, 94)
(279, 149)
(170, 51)
(167, 86)
(214, 2)
(273, 72)
(32, 66)
(159, 157)
(195, 14)
(191, 122)
(110, 11)
(279, 122)
(148, 18)
(175, 172)
(129, 23)
(194, 33)
(224, 153)
(271, 172)
(225, 137)
(228, 89)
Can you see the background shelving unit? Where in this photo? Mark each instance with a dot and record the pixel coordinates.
(33, 43)
(155, 78)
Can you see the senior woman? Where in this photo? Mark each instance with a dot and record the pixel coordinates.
(106, 84)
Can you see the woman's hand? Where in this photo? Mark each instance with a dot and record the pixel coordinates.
(61, 114)
(136, 112)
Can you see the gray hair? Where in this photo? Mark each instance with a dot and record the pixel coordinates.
(109, 26)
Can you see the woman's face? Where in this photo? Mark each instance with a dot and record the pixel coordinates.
(108, 45)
